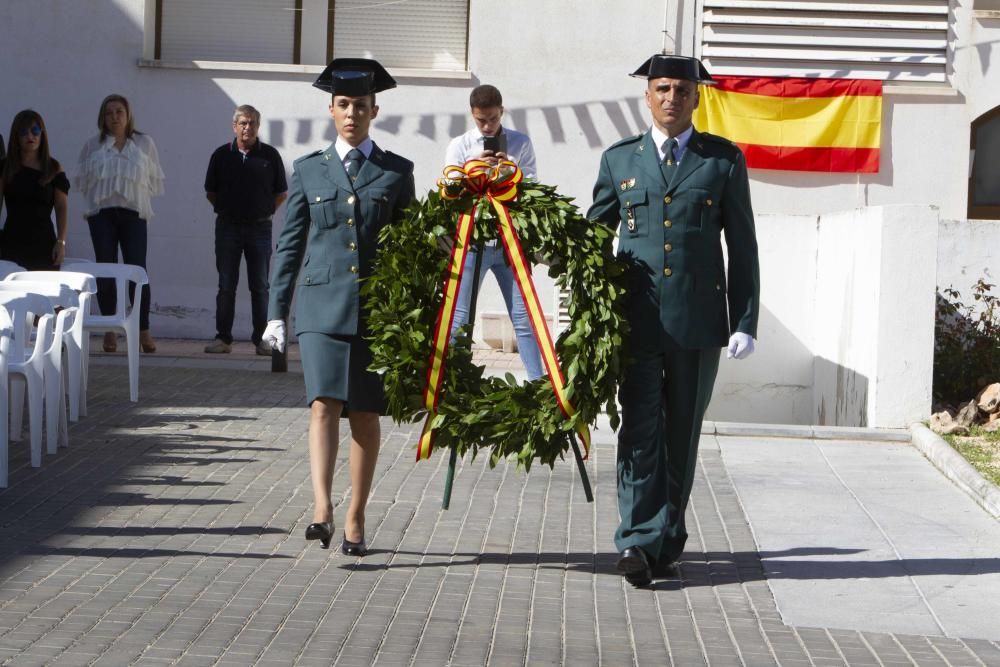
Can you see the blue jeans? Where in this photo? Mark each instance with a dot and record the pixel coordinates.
(493, 260)
(234, 240)
(109, 229)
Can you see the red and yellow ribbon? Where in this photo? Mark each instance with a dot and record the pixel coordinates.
(497, 185)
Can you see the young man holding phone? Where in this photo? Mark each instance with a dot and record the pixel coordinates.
(491, 142)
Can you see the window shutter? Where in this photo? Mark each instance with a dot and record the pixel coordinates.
(417, 34)
(233, 30)
(891, 40)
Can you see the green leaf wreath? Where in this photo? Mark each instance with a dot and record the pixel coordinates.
(511, 419)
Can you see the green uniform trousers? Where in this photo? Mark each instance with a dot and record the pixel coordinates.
(664, 396)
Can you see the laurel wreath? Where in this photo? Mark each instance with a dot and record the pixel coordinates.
(475, 411)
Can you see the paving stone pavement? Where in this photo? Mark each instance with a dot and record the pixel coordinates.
(170, 533)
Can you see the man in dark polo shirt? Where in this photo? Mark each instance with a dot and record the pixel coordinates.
(246, 184)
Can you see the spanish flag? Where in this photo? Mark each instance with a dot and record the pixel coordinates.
(797, 124)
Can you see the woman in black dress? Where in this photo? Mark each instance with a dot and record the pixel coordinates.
(32, 184)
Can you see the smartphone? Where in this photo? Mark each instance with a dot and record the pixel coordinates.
(497, 144)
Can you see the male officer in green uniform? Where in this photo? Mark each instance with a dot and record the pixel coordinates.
(339, 199)
(672, 192)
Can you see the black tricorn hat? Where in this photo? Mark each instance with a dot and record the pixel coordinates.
(674, 67)
(354, 77)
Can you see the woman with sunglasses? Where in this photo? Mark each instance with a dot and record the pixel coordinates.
(32, 184)
(119, 172)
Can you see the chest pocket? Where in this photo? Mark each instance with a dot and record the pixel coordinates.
(378, 199)
(323, 207)
(695, 208)
(634, 212)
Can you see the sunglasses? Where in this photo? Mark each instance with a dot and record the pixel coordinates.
(34, 130)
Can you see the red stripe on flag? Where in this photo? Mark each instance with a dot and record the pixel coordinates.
(804, 158)
(798, 87)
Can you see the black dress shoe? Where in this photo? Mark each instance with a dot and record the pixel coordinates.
(634, 564)
(349, 548)
(320, 531)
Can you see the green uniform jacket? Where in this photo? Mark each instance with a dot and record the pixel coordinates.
(334, 226)
(672, 233)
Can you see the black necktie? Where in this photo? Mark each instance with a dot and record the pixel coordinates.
(355, 158)
(669, 164)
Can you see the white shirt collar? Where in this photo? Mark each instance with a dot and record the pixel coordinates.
(682, 141)
(343, 148)
(109, 145)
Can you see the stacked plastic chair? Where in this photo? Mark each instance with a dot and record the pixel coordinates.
(6, 332)
(125, 317)
(78, 288)
(26, 364)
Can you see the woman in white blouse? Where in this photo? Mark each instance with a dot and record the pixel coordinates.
(119, 172)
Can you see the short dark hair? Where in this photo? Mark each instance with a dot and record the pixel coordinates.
(485, 97)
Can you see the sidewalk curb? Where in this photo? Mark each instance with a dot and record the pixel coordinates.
(751, 430)
(956, 468)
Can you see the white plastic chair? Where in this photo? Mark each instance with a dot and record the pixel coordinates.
(125, 318)
(6, 332)
(59, 296)
(27, 368)
(7, 267)
(83, 286)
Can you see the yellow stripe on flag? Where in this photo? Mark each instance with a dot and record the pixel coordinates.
(839, 122)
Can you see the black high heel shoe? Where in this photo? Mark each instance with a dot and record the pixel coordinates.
(320, 531)
(349, 548)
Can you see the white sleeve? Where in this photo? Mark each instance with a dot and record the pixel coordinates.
(527, 160)
(155, 174)
(454, 153)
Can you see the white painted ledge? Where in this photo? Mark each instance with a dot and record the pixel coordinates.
(281, 68)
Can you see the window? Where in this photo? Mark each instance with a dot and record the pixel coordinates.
(408, 34)
(984, 185)
(891, 40)
(235, 30)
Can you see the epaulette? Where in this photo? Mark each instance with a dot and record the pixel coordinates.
(626, 141)
(309, 155)
(716, 138)
(408, 164)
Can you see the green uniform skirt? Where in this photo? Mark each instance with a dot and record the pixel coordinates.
(337, 367)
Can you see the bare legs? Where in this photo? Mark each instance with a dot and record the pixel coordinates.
(324, 436)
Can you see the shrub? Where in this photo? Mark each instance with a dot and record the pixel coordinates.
(966, 343)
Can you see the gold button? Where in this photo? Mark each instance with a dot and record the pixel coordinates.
(668, 223)
(354, 269)
(352, 245)
(667, 199)
(318, 198)
(668, 247)
(627, 203)
(350, 221)
(708, 202)
(309, 280)
(350, 200)
(667, 272)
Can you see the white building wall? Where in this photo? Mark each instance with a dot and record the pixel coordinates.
(847, 322)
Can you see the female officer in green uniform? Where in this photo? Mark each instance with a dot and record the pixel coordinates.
(338, 201)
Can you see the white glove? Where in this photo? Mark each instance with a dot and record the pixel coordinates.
(274, 335)
(740, 346)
